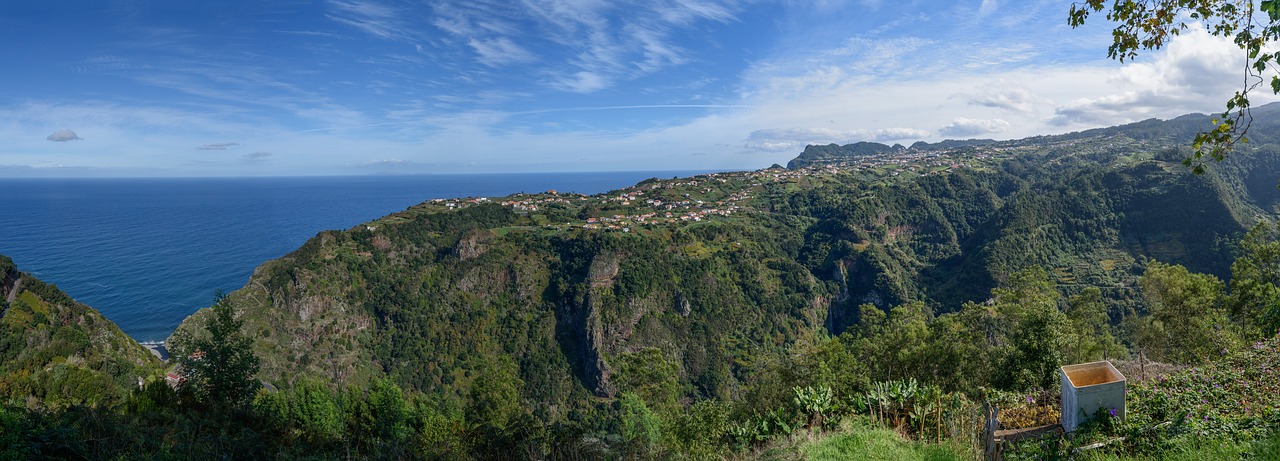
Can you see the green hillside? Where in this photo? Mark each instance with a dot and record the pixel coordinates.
(55, 351)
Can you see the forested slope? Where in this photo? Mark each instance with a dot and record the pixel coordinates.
(55, 351)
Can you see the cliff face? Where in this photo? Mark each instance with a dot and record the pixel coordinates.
(55, 351)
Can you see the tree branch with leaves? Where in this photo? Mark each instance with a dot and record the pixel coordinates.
(1144, 25)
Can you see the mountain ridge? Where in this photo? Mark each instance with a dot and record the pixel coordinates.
(814, 154)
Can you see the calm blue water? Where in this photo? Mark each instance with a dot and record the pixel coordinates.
(149, 252)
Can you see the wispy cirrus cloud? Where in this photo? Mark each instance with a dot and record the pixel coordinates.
(582, 82)
(580, 46)
(987, 7)
(218, 146)
(497, 52)
(372, 17)
(218, 80)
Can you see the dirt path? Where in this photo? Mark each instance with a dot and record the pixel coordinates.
(13, 294)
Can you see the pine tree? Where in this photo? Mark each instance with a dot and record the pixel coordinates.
(219, 366)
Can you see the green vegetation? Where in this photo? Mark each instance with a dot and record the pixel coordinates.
(873, 442)
(55, 352)
(1229, 407)
(218, 367)
(727, 315)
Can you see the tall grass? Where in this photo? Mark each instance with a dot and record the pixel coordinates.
(864, 440)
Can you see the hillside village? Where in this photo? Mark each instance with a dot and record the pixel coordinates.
(662, 202)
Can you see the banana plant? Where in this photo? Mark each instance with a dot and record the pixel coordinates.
(814, 403)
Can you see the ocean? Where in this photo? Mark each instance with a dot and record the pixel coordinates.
(149, 252)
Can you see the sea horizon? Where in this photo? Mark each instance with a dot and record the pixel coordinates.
(374, 175)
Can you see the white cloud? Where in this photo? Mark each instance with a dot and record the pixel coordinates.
(878, 81)
(371, 17)
(987, 7)
(657, 53)
(880, 56)
(1195, 71)
(500, 51)
(218, 146)
(582, 82)
(962, 126)
(597, 44)
(63, 136)
(898, 134)
(128, 139)
(1012, 98)
(688, 12)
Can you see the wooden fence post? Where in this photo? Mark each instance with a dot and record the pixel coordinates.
(1142, 364)
(989, 434)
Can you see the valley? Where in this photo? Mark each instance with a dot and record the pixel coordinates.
(538, 322)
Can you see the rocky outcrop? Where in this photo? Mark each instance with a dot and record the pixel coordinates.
(581, 335)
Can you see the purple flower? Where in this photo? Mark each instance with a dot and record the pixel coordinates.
(1113, 412)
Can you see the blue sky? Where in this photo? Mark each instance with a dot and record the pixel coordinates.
(164, 88)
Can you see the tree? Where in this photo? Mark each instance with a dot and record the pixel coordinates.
(1038, 333)
(899, 342)
(1255, 281)
(1187, 322)
(1144, 25)
(638, 426)
(650, 375)
(219, 366)
(1092, 327)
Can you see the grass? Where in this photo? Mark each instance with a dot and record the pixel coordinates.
(864, 440)
(1206, 449)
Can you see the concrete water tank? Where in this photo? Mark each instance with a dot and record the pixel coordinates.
(1088, 387)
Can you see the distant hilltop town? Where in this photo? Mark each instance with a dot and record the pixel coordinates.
(661, 202)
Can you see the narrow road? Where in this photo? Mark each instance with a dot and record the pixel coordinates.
(13, 294)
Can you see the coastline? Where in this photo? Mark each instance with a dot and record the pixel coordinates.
(157, 349)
